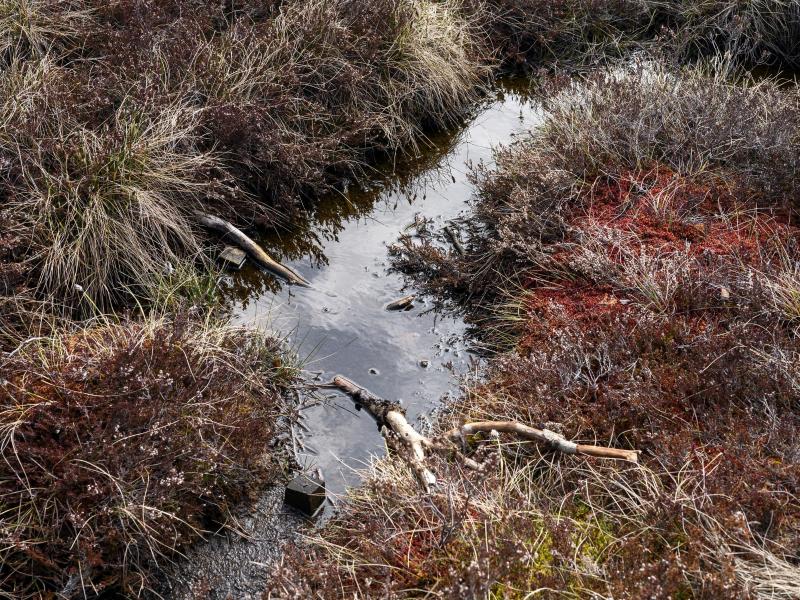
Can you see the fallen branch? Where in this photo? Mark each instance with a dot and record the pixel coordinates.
(401, 303)
(390, 416)
(555, 440)
(256, 252)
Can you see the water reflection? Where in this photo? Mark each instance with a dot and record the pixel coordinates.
(340, 324)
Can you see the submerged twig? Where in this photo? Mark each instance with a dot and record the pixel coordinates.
(454, 239)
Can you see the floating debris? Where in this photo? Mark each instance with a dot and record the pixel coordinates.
(403, 303)
(232, 257)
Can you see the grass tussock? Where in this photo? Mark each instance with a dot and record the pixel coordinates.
(583, 32)
(124, 443)
(35, 28)
(646, 240)
(121, 121)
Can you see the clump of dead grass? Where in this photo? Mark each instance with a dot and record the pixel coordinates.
(124, 442)
(584, 32)
(298, 100)
(646, 253)
(105, 211)
(37, 28)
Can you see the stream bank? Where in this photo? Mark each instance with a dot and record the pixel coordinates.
(340, 325)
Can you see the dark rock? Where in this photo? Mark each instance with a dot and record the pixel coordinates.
(305, 493)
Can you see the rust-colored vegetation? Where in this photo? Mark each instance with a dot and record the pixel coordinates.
(645, 240)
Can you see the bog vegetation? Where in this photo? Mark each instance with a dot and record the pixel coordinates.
(631, 269)
(133, 420)
(644, 238)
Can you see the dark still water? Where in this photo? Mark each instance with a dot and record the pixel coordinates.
(341, 326)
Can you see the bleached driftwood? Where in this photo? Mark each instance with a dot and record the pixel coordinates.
(555, 440)
(390, 416)
(256, 252)
(401, 303)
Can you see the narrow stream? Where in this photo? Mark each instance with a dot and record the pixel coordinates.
(340, 325)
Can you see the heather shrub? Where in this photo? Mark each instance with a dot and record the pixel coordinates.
(124, 442)
(576, 32)
(631, 267)
(582, 32)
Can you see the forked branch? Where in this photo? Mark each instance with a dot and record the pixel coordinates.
(390, 417)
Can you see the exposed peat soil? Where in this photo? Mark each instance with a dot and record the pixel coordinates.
(340, 325)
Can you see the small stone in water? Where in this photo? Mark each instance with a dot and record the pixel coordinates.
(232, 257)
(374, 371)
(305, 493)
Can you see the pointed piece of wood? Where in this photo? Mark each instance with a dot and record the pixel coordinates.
(256, 252)
(556, 440)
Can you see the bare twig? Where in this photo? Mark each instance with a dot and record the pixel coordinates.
(255, 251)
(555, 440)
(391, 417)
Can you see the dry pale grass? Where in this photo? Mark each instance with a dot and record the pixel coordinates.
(37, 28)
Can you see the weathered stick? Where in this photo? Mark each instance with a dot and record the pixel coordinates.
(454, 239)
(390, 415)
(255, 251)
(401, 303)
(556, 440)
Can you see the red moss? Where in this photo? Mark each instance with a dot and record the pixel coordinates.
(695, 209)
